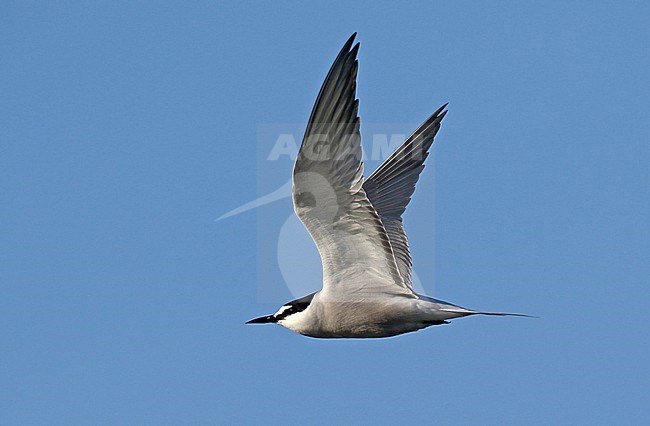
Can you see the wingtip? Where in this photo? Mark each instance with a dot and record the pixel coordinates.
(355, 49)
(440, 111)
(348, 43)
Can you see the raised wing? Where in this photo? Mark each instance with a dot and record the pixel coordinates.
(389, 188)
(358, 260)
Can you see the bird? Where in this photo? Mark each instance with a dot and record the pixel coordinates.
(356, 223)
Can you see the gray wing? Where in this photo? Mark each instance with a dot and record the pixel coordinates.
(390, 187)
(358, 260)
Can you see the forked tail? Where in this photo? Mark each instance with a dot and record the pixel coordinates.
(503, 314)
(462, 312)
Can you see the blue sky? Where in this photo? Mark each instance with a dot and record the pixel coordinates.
(127, 128)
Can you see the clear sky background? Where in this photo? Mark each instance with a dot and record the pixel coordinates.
(127, 128)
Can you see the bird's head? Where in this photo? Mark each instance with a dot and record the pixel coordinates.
(285, 311)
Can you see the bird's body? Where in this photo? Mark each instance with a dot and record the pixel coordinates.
(387, 316)
(356, 224)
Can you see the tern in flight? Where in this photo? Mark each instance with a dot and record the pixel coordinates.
(357, 224)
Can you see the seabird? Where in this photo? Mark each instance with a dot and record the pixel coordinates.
(356, 224)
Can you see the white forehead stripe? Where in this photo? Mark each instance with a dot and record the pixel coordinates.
(282, 310)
